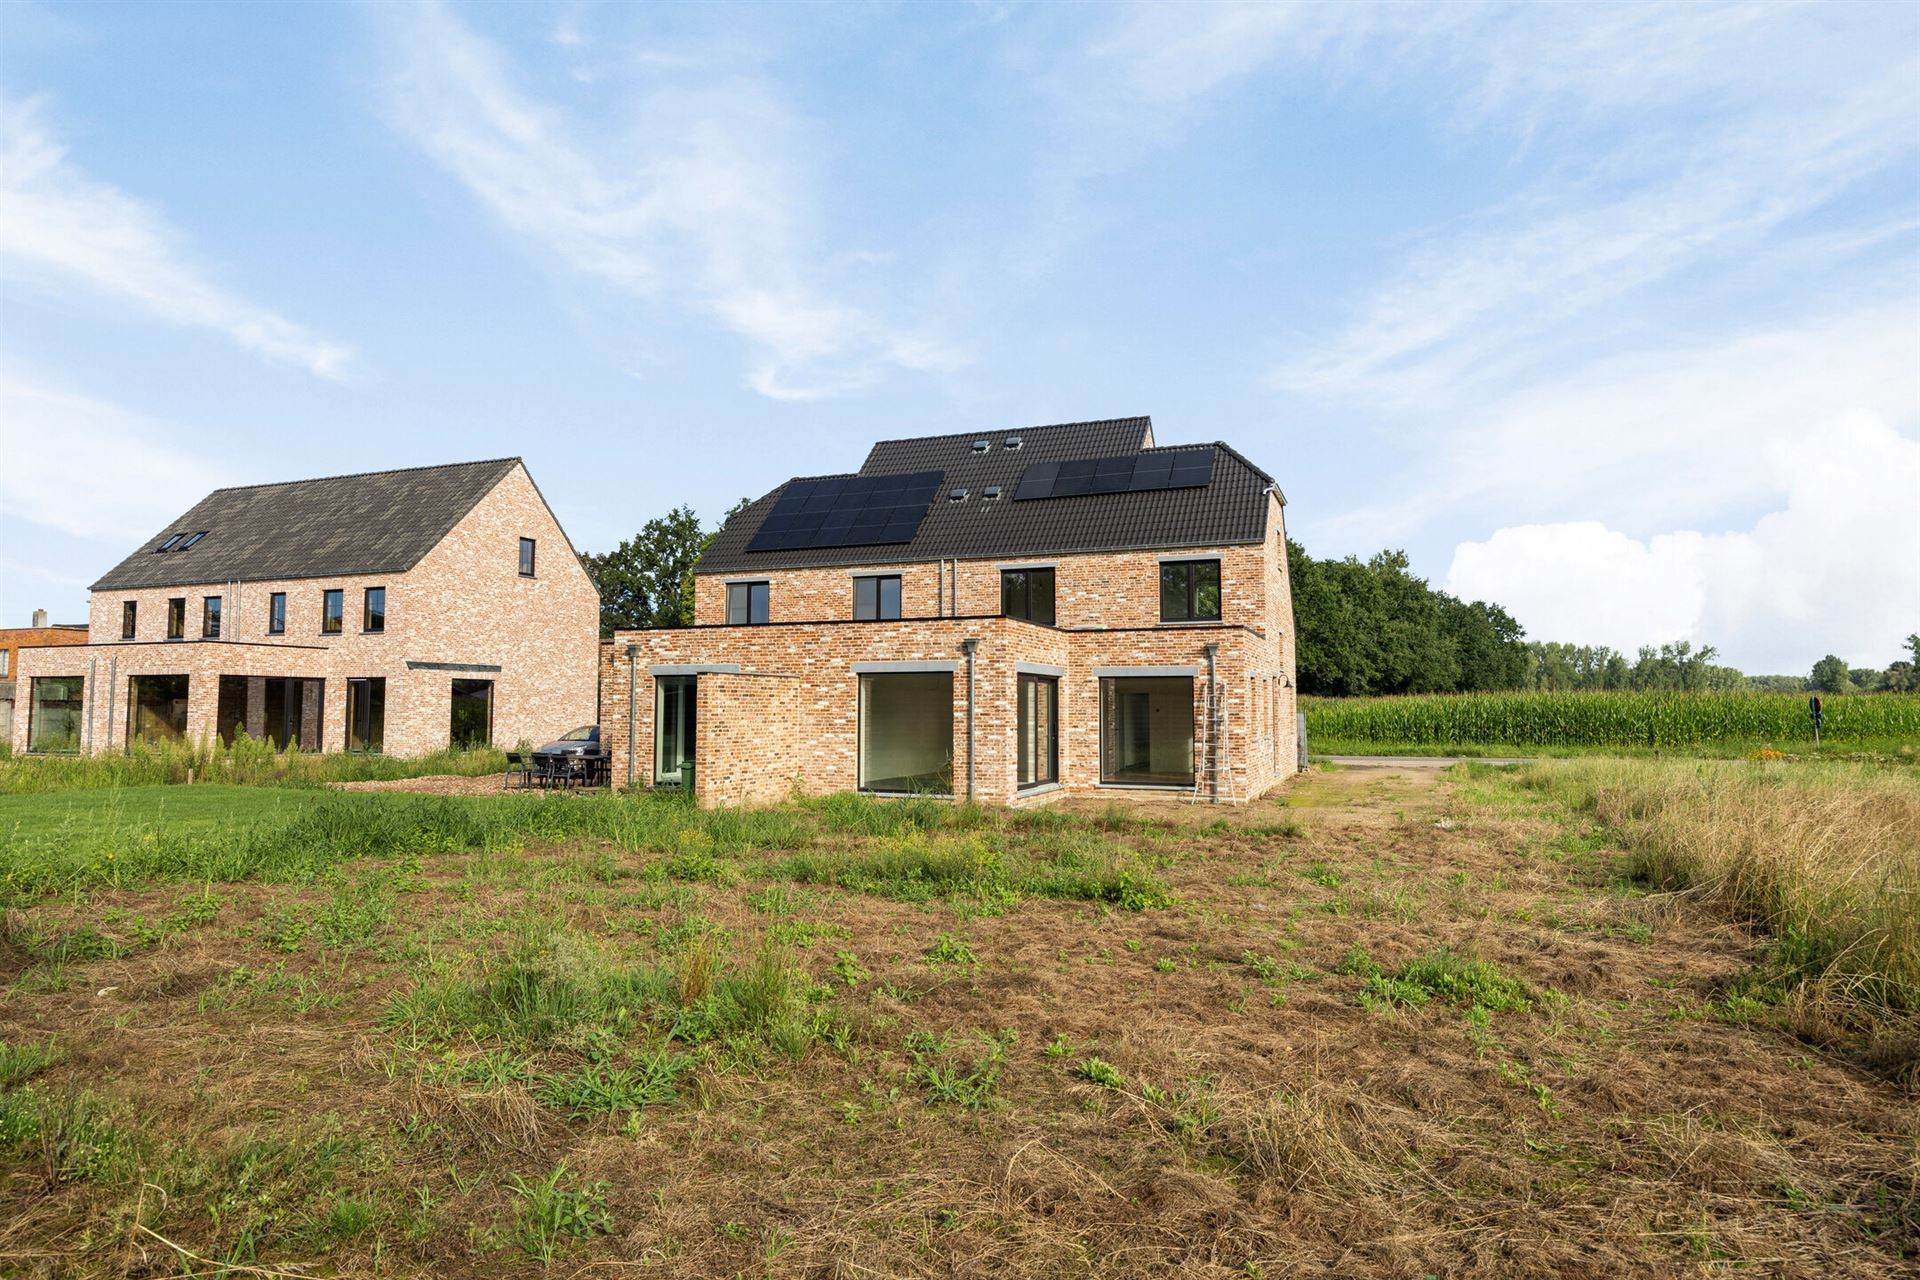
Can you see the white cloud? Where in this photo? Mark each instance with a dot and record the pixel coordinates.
(698, 204)
(59, 227)
(1837, 569)
(89, 468)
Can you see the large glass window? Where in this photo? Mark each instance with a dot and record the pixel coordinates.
(906, 732)
(876, 598)
(526, 557)
(1027, 593)
(293, 712)
(675, 703)
(1190, 591)
(1038, 724)
(277, 614)
(1146, 730)
(332, 607)
(157, 708)
(177, 618)
(210, 618)
(53, 717)
(129, 618)
(373, 612)
(366, 713)
(472, 723)
(746, 603)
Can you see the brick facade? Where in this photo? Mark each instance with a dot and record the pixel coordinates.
(463, 604)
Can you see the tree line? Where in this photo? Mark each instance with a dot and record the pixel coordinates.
(1362, 627)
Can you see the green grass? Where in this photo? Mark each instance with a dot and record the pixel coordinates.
(246, 762)
(1523, 723)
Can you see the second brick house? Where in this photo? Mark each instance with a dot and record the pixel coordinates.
(999, 616)
(397, 611)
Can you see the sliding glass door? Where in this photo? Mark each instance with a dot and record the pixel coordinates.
(1146, 730)
(906, 732)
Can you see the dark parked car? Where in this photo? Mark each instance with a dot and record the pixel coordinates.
(578, 754)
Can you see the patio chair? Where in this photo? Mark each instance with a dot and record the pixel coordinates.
(517, 763)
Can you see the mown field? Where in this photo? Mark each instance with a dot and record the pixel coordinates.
(1687, 723)
(1585, 1018)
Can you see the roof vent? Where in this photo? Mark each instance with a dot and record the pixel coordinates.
(957, 495)
(982, 446)
(990, 492)
(1014, 442)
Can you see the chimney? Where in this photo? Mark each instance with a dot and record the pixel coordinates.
(39, 617)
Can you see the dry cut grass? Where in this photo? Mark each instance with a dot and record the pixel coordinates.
(1827, 858)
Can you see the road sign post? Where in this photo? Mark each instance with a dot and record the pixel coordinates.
(1813, 705)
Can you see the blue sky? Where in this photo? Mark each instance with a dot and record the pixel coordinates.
(1608, 313)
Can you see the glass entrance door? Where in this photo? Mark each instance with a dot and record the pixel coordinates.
(674, 716)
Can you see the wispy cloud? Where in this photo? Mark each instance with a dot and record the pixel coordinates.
(699, 203)
(90, 468)
(59, 227)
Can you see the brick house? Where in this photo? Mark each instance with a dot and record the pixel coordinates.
(397, 611)
(14, 639)
(1000, 616)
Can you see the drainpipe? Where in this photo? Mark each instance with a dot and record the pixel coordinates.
(940, 588)
(113, 687)
(633, 694)
(1213, 727)
(953, 579)
(969, 645)
(86, 730)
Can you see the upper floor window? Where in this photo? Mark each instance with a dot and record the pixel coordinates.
(6, 662)
(1027, 593)
(177, 618)
(168, 545)
(373, 614)
(526, 557)
(746, 603)
(1190, 591)
(210, 618)
(129, 618)
(332, 606)
(193, 539)
(876, 598)
(277, 614)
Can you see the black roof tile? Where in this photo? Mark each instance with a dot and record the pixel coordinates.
(1230, 510)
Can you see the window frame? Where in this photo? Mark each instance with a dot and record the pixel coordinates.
(367, 687)
(192, 539)
(176, 617)
(758, 590)
(367, 614)
(1051, 684)
(1190, 570)
(333, 610)
(211, 607)
(277, 613)
(529, 551)
(129, 619)
(875, 585)
(866, 683)
(169, 543)
(1026, 577)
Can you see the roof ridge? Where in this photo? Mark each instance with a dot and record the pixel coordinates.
(977, 433)
(361, 475)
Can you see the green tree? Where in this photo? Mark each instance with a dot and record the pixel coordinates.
(647, 581)
(1830, 675)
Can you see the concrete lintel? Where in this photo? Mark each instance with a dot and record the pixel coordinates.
(903, 668)
(695, 669)
(1039, 669)
(1126, 672)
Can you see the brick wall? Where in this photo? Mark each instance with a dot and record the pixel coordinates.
(751, 750)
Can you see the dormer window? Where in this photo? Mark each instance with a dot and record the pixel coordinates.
(195, 538)
(168, 544)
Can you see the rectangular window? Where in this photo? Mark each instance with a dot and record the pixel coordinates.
(526, 557)
(1190, 591)
(53, 716)
(1146, 730)
(129, 618)
(332, 606)
(746, 603)
(157, 709)
(676, 703)
(472, 722)
(210, 618)
(366, 713)
(906, 732)
(373, 614)
(6, 663)
(1038, 722)
(177, 618)
(875, 599)
(1027, 593)
(277, 614)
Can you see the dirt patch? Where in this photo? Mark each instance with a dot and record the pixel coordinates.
(445, 784)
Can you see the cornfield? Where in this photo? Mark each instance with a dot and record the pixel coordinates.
(1639, 720)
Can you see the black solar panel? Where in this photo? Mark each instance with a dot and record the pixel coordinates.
(847, 511)
(1130, 473)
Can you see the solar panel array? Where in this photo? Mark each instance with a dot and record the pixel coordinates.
(847, 511)
(1129, 473)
